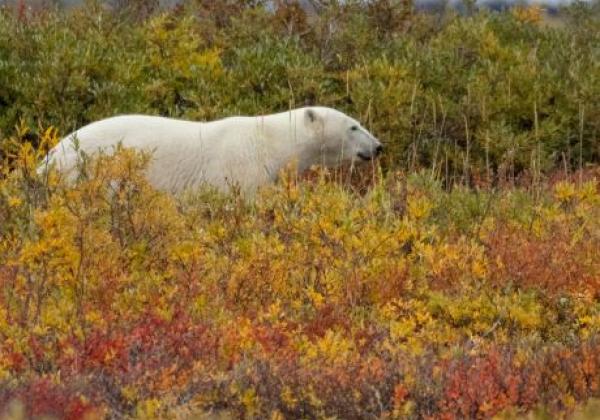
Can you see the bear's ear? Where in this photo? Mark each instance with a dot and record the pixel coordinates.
(310, 116)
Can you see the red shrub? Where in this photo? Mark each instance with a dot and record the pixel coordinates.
(553, 262)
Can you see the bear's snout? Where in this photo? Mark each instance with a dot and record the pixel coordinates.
(372, 150)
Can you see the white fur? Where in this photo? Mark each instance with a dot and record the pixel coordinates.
(249, 151)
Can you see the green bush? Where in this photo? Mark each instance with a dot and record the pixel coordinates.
(484, 97)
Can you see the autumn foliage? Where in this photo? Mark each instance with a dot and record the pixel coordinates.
(316, 298)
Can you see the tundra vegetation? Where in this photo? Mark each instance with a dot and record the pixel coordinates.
(457, 277)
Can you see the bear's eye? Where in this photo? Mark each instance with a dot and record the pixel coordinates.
(354, 128)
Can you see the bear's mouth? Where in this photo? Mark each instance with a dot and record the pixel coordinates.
(364, 157)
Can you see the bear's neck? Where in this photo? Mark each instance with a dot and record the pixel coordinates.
(302, 152)
(286, 141)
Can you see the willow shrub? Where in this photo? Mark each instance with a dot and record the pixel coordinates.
(475, 98)
(312, 299)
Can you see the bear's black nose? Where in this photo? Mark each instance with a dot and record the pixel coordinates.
(379, 149)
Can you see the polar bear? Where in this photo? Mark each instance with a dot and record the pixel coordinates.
(247, 151)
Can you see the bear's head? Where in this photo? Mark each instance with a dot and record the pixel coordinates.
(340, 137)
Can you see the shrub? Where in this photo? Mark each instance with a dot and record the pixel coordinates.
(315, 299)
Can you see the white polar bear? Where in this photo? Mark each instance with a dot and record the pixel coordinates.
(247, 151)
